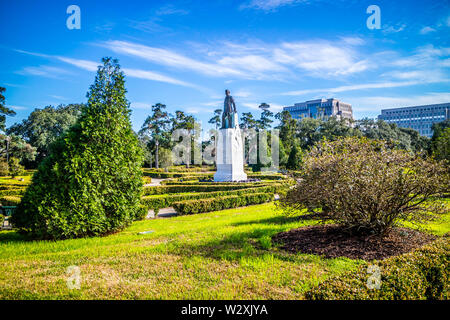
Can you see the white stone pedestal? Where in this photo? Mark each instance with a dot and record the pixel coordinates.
(229, 156)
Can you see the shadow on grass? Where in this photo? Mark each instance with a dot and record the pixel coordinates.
(255, 243)
(13, 236)
(281, 220)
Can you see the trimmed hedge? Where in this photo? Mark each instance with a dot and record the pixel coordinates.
(163, 201)
(141, 213)
(164, 189)
(12, 192)
(10, 200)
(184, 175)
(197, 182)
(421, 274)
(220, 203)
(208, 175)
(8, 186)
(146, 180)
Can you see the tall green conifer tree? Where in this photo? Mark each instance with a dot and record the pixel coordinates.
(91, 182)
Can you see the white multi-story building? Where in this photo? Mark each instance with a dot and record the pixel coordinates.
(320, 109)
(419, 118)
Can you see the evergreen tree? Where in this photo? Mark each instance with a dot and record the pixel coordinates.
(91, 182)
(294, 161)
(266, 117)
(216, 120)
(156, 126)
(441, 146)
(4, 110)
(247, 121)
(287, 128)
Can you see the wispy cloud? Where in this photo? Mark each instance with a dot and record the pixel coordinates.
(82, 64)
(376, 103)
(377, 85)
(171, 10)
(18, 108)
(152, 25)
(268, 5)
(426, 30)
(168, 58)
(257, 60)
(393, 29)
(92, 66)
(43, 71)
(150, 75)
(140, 105)
(57, 97)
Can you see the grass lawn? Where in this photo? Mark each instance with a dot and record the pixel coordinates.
(217, 255)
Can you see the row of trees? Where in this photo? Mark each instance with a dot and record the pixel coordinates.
(300, 136)
(29, 140)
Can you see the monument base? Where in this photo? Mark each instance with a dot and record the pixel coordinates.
(229, 156)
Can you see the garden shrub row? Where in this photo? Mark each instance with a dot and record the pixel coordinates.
(203, 183)
(182, 169)
(10, 200)
(146, 179)
(165, 189)
(12, 192)
(166, 200)
(12, 186)
(220, 203)
(419, 275)
(184, 175)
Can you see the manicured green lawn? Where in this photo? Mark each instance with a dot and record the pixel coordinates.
(217, 255)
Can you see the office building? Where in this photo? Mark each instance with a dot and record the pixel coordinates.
(320, 109)
(419, 118)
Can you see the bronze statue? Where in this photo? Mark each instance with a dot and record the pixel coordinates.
(229, 110)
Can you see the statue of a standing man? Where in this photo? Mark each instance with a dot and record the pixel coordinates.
(229, 109)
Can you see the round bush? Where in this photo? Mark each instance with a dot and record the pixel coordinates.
(91, 182)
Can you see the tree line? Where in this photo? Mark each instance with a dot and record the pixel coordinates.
(26, 143)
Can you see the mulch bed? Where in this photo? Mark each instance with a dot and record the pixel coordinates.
(332, 242)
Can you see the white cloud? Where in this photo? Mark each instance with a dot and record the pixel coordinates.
(353, 41)
(140, 105)
(268, 5)
(425, 56)
(18, 107)
(320, 58)
(218, 103)
(253, 63)
(377, 85)
(171, 10)
(394, 29)
(93, 66)
(150, 75)
(376, 103)
(43, 71)
(426, 30)
(57, 97)
(242, 94)
(425, 75)
(82, 64)
(256, 60)
(168, 58)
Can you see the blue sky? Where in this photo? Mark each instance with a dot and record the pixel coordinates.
(186, 53)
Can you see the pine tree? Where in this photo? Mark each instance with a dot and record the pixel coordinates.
(156, 126)
(295, 158)
(4, 110)
(91, 182)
